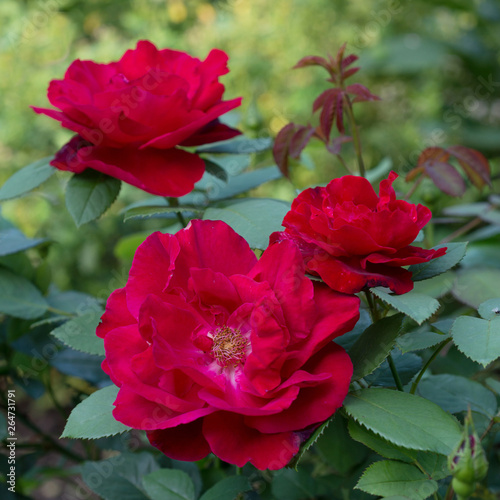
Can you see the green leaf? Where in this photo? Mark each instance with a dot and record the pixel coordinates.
(289, 484)
(227, 489)
(93, 417)
(415, 305)
(374, 345)
(338, 448)
(79, 333)
(253, 218)
(407, 365)
(434, 464)
(238, 146)
(217, 190)
(404, 419)
(474, 286)
(380, 445)
(90, 194)
(490, 309)
(419, 339)
(19, 297)
(13, 241)
(146, 212)
(456, 394)
(169, 484)
(119, 477)
(454, 254)
(477, 338)
(313, 438)
(388, 478)
(435, 287)
(216, 170)
(26, 179)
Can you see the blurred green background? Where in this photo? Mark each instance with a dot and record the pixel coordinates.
(436, 66)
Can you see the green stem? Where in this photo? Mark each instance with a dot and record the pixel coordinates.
(395, 373)
(429, 361)
(375, 317)
(174, 202)
(355, 135)
(372, 306)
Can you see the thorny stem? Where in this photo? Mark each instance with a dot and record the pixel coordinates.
(355, 135)
(429, 361)
(174, 202)
(375, 317)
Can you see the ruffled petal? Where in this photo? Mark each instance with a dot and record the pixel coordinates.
(347, 275)
(315, 402)
(213, 245)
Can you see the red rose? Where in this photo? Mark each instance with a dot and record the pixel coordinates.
(354, 239)
(131, 115)
(216, 351)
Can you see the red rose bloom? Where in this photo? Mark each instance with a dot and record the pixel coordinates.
(354, 239)
(131, 115)
(216, 351)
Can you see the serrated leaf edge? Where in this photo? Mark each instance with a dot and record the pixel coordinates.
(379, 461)
(446, 270)
(438, 305)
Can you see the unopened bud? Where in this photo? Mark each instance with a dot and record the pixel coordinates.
(467, 462)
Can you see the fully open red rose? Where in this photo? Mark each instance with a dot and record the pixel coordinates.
(354, 239)
(216, 351)
(131, 115)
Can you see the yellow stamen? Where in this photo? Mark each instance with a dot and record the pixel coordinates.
(229, 348)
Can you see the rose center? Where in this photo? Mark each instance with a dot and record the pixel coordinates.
(229, 347)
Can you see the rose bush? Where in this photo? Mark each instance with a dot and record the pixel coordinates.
(354, 239)
(216, 351)
(130, 116)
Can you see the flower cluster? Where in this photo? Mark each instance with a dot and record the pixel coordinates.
(131, 116)
(206, 339)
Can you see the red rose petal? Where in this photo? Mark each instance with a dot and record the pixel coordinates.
(213, 245)
(176, 137)
(170, 172)
(184, 442)
(116, 313)
(315, 403)
(264, 451)
(347, 276)
(144, 278)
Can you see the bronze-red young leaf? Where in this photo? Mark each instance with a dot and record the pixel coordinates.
(445, 177)
(281, 147)
(474, 163)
